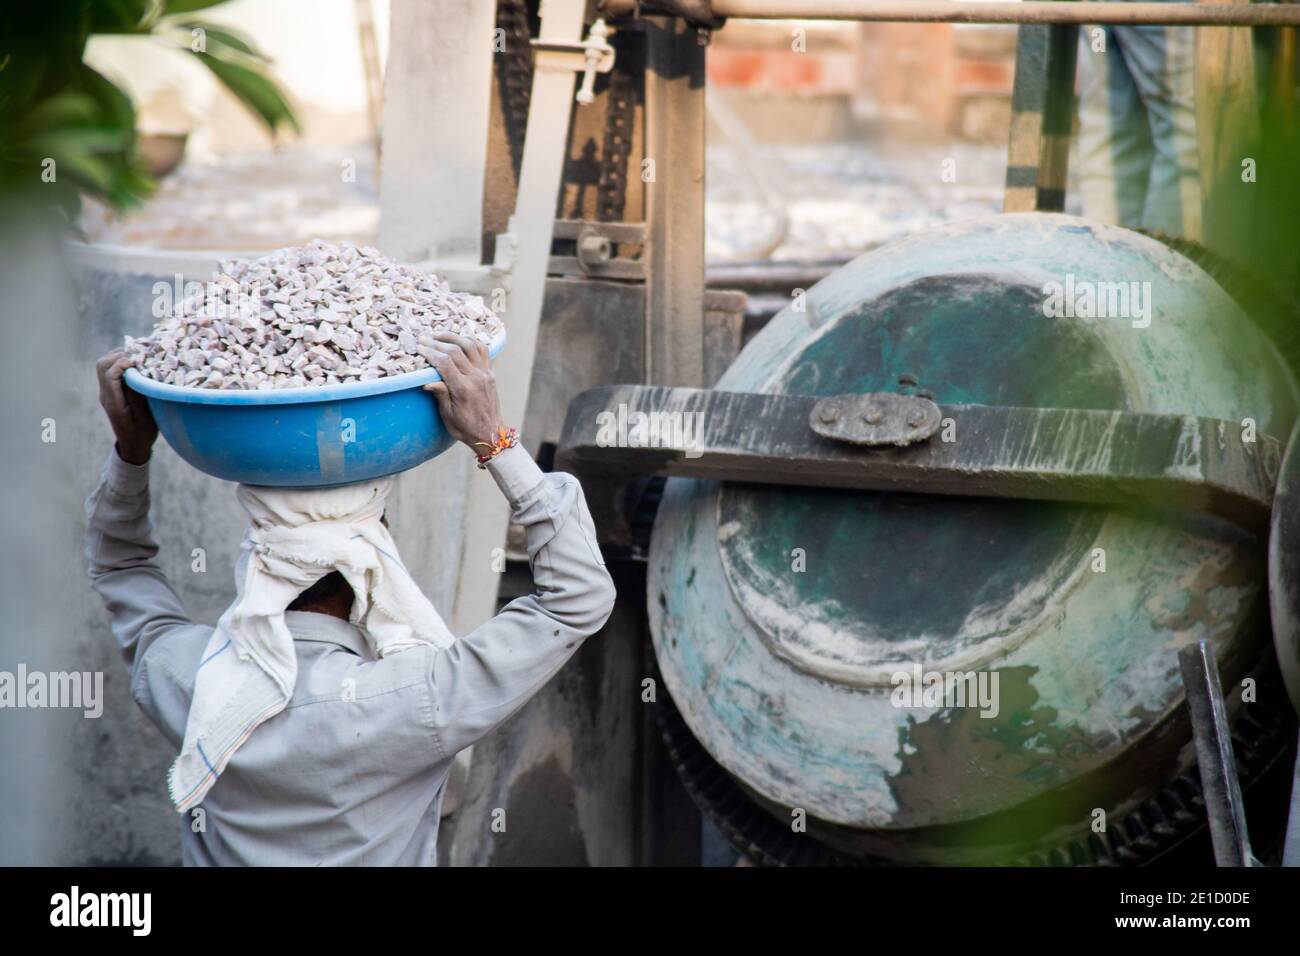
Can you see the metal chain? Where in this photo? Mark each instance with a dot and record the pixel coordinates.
(514, 68)
(620, 112)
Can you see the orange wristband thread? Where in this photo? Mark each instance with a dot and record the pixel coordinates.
(505, 438)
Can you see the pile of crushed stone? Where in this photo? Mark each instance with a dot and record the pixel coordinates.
(318, 314)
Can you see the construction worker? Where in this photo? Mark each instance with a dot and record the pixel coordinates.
(317, 723)
(1137, 128)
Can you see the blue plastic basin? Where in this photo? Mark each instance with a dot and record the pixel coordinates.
(309, 437)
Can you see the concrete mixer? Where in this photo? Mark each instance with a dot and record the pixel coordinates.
(787, 618)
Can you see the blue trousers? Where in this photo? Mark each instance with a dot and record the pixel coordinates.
(1137, 128)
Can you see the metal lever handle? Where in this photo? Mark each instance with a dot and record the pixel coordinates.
(597, 50)
(590, 56)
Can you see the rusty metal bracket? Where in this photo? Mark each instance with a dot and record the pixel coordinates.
(877, 418)
(1053, 454)
(594, 244)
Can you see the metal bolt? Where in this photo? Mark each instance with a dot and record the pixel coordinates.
(872, 415)
(596, 51)
(593, 250)
(828, 416)
(916, 418)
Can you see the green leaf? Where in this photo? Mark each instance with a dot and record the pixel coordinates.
(62, 109)
(53, 106)
(121, 16)
(88, 140)
(189, 6)
(116, 105)
(222, 35)
(257, 91)
(138, 180)
(90, 171)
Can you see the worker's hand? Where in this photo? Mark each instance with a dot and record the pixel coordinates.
(127, 410)
(467, 394)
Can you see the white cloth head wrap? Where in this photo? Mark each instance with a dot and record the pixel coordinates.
(248, 670)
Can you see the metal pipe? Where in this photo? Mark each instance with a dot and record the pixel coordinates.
(1219, 784)
(1291, 845)
(1031, 11)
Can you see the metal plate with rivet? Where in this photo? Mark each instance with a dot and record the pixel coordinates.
(877, 418)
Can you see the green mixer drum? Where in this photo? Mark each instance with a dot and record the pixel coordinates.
(785, 619)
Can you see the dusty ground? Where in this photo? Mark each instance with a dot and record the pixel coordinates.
(843, 198)
(792, 202)
(253, 201)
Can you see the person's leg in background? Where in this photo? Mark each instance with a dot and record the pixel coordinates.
(1115, 149)
(1161, 61)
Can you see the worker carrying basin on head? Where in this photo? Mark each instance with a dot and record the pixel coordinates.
(317, 722)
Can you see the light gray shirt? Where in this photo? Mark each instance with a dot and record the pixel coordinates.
(353, 770)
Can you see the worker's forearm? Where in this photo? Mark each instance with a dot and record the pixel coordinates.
(572, 584)
(491, 672)
(516, 474)
(117, 513)
(121, 554)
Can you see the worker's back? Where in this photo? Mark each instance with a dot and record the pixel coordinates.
(349, 773)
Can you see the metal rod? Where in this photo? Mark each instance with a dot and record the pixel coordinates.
(1042, 118)
(1291, 847)
(674, 177)
(1031, 11)
(1219, 784)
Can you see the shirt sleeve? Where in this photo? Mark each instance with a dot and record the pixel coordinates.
(122, 558)
(484, 677)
